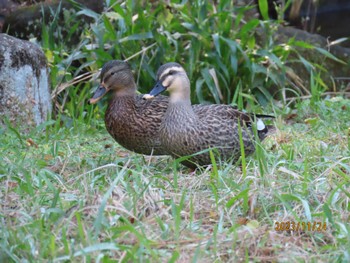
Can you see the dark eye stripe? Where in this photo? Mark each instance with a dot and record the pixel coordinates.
(163, 78)
(107, 77)
(170, 73)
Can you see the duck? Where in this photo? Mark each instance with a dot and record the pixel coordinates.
(185, 132)
(132, 121)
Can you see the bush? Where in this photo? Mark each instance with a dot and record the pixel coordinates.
(214, 43)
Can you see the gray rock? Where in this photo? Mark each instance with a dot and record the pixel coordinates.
(24, 82)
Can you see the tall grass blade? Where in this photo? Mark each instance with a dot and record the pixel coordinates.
(264, 9)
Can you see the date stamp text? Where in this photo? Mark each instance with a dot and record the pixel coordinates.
(315, 226)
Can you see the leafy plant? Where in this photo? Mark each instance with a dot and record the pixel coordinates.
(225, 58)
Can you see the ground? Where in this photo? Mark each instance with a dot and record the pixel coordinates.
(72, 193)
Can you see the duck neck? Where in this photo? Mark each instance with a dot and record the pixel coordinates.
(182, 94)
(130, 91)
(181, 100)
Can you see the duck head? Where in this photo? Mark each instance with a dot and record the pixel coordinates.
(117, 77)
(173, 78)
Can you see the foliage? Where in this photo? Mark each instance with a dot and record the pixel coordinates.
(214, 43)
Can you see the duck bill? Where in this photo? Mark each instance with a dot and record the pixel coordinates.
(99, 93)
(157, 89)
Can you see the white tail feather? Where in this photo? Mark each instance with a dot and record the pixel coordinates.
(260, 125)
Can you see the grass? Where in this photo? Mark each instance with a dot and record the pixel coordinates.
(71, 193)
(68, 192)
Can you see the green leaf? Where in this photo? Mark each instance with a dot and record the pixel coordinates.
(214, 173)
(234, 63)
(328, 213)
(302, 44)
(242, 195)
(241, 144)
(100, 217)
(89, 13)
(272, 57)
(306, 209)
(211, 85)
(89, 249)
(113, 15)
(248, 29)
(199, 91)
(264, 9)
(11, 128)
(110, 29)
(216, 43)
(140, 36)
(309, 67)
(174, 257)
(262, 95)
(291, 198)
(329, 55)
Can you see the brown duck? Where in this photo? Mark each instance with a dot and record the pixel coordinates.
(132, 121)
(185, 132)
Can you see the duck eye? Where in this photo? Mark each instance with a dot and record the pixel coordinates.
(171, 72)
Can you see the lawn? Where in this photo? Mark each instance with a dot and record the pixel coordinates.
(68, 192)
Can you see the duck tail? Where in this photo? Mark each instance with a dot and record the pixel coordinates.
(262, 129)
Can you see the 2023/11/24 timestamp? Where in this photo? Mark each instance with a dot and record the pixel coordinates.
(300, 226)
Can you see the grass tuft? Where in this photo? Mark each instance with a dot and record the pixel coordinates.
(74, 194)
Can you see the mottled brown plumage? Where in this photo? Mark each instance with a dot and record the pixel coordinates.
(132, 121)
(185, 132)
(127, 122)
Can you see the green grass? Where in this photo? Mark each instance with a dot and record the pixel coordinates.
(71, 193)
(68, 192)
